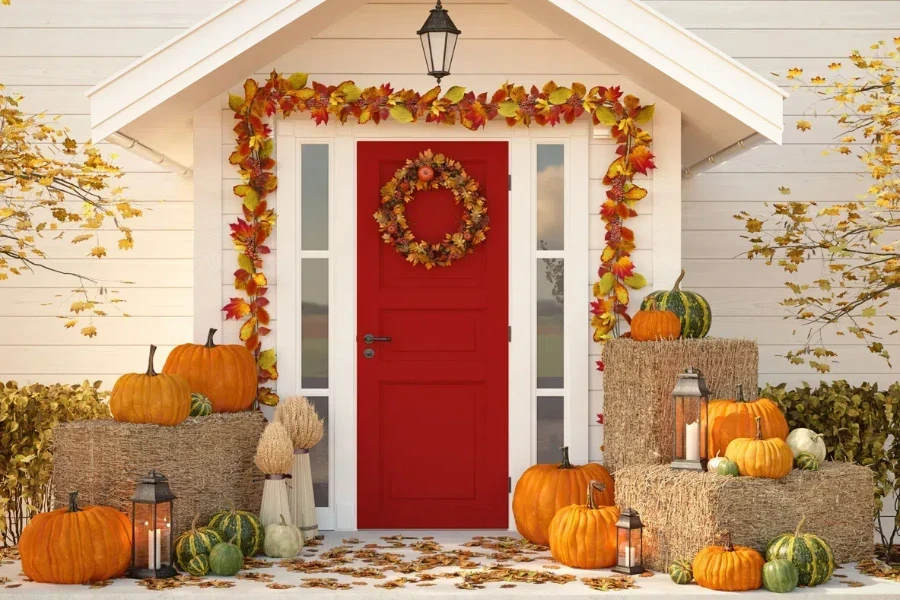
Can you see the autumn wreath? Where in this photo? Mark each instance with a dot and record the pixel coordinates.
(429, 172)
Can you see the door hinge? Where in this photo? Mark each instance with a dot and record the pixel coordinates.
(509, 181)
(509, 334)
(510, 485)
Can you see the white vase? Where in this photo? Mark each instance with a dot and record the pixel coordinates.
(275, 501)
(302, 501)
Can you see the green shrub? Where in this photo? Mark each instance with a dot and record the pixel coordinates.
(28, 416)
(860, 424)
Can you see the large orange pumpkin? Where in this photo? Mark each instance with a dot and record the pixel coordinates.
(652, 324)
(583, 536)
(757, 457)
(225, 374)
(544, 489)
(774, 425)
(728, 568)
(76, 545)
(150, 397)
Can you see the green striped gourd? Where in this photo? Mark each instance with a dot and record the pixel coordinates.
(810, 554)
(244, 527)
(226, 559)
(198, 566)
(197, 541)
(681, 572)
(807, 462)
(780, 576)
(200, 405)
(692, 309)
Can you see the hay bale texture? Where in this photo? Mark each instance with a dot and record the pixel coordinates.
(208, 461)
(637, 391)
(685, 511)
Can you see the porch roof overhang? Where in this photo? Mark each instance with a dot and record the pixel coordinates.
(153, 100)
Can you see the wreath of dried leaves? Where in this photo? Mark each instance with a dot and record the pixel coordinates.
(439, 171)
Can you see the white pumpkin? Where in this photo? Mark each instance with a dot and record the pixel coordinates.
(807, 440)
(714, 462)
(283, 540)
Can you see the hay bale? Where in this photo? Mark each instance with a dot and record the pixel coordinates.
(208, 460)
(637, 391)
(684, 511)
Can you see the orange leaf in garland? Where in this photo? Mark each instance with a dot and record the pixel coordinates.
(236, 309)
(623, 267)
(641, 159)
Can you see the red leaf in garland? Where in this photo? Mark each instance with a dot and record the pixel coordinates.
(252, 342)
(612, 94)
(600, 418)
(623, 267)
(601, 366)
(641, 159)
(263, 316)
(251, 287)
(236, 309)
(260, 300)
(264, 331)
(242, 275)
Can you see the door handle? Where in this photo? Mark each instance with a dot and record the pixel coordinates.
(369, 338)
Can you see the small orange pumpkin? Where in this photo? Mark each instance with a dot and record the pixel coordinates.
(774, 425)
(76, 545)
(583, 536)
(225, 374)
(758, 457)
(652, 324)
(150, 397)
(728, 568)
(425, 173)
(544, 489)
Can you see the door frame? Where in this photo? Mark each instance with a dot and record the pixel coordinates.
(290, 134)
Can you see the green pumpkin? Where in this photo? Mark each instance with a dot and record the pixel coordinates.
(780, 576)
(807, 462)
(691, 308)
(226, 559)
(241, 525)
(198, 566)
(727, 468)
(282, 540)
(200, 405)
(811, 555)
(681, 572)
(197, 541)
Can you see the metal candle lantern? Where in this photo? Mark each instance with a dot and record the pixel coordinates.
(151, 528)
(629, 543)
(438, 36)
(691, 410)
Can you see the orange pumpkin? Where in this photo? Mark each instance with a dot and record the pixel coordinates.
(726, 428)
(544, 489)
(150, 397)
(774, 425)
(224, 374)
(758, 457)
(728, 568)
(653, 324)
(76, 545)
(583, 536)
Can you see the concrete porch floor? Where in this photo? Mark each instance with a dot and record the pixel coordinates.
(381, 554)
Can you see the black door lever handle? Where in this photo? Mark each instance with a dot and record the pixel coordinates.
(369, 338)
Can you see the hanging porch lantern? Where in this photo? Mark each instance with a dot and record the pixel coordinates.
(691, 411)
(151, 528)
(629, 543)
(438, 36)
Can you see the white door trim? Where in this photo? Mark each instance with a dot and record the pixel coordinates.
(342, 325)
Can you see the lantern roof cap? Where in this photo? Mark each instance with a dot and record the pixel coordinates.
(153, 488)
(690, 384)
(629, 519)
(439, 20)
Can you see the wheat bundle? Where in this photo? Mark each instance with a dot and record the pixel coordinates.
(274, 455)
(306, 429)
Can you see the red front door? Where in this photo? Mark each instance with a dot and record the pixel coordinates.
(432, 405)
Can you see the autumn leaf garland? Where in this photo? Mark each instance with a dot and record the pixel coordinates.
(548, 105)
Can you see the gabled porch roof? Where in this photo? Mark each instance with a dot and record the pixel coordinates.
(153, 99)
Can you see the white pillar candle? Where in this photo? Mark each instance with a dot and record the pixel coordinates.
(629, 556)
(692, 441)
(153, 547)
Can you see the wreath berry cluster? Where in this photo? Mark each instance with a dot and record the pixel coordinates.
(429, 172)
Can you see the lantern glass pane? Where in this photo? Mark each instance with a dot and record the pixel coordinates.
(704, 429)
(143, 517)
(636, 545)
(438, 44)
(623, 548)
(164, 534)
(679, 428)
(426, 50)
(449, 49)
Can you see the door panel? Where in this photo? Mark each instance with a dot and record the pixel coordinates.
(432, 405)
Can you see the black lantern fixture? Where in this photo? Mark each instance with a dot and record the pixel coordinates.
(438, 36)
(691, 412)
(629, 543)
(151, 528)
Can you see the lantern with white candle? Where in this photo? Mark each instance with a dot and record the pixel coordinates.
(629, 543)
(691, 415)
(151, 526)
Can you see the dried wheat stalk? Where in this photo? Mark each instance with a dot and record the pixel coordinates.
(302, 422)
(275, 453)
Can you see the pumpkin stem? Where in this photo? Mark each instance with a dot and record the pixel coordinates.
(799, 526)
(283, 522)
(565, 464)
(677, 286)
(150, 370)
(759, 428)
(194, 523)
(73, 502)
(740, 394)
(594, 485)
(727, 546)
(209, 338)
